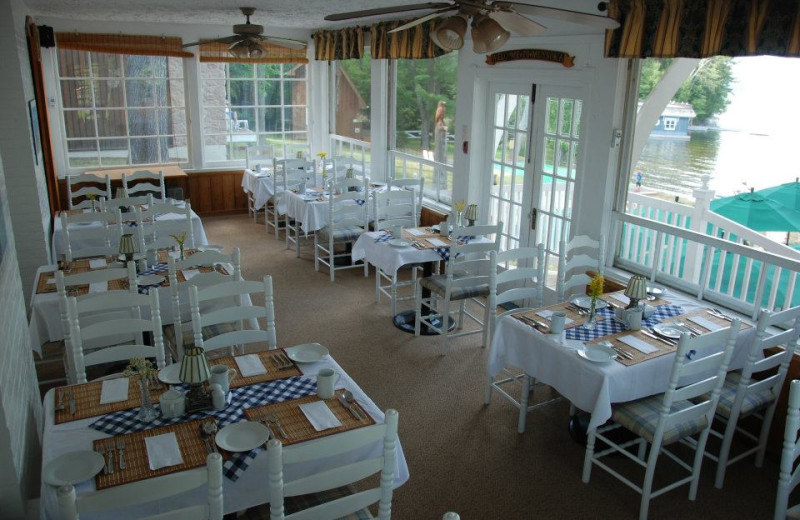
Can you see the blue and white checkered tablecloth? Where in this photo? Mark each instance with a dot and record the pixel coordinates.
(384, 236)
(126, 421)
(611, 326)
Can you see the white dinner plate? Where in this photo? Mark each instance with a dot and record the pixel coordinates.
(307, 352)
(170, 374)
(670, 330)
(150, 279)
(209, 248)
(398, 242)
(597, 353)
(242, 436)
(73, 467)
(655, 290)
(584, 302)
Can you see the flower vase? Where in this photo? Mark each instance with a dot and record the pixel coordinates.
(591, 318)
(147, 413)
(459, 218)
(182, 256)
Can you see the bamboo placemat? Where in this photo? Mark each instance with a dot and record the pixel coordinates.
(120, 284)
(87, 400)
(296, 425)
(572, 314)
(422, 240)
(193, 453)
(273, 372)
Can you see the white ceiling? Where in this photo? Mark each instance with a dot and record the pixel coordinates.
(289, 14)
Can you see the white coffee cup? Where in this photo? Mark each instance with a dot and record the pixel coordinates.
(326, 381)
(444, 228)
(222, 376)
(633, 318)
(557, 320)
(397, 232)
(173, 404)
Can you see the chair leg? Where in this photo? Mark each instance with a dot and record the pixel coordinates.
(276, 220)
(394, 294)
(647, 487)
(418, 314)
(316, 253)
(378, 284)
(331, 264)
(486, 328)
(762, 437)
(698, 462)
(366, 266)
(587, 458)
(725, 449)
(524, 399)
(487, 398)
(782, 498)
(297, 242)
(462, 309)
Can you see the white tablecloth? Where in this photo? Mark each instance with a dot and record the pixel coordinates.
(312, 214)
(200, 238)
(589, 386)
(250, 490)
(250, 178)
(389, 258)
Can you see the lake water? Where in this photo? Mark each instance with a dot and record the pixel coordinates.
(736, 161)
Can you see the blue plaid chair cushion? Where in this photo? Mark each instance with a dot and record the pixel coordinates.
(349, 234)
(436, 284)
(641, 417)
(753, 401)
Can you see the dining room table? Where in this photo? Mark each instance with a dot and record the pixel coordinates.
(641, 362)
(75, 422)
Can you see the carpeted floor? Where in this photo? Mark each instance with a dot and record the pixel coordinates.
(462, 455)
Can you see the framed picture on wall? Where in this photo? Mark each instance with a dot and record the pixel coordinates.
(35, 135)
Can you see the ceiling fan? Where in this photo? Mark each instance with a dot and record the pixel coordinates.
(491, 21)
(247, 39)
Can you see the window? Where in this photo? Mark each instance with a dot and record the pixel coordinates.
(424, 106)
(670, 123)
(351, 115)
(121, 109)
(253, 104)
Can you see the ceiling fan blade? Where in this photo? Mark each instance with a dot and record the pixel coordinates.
(591, 20)
(385, 10)
(284, 42)
(226, 40)
(423, 19)
(517, 23)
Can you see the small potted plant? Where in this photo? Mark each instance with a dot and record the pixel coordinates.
(147, 374)
(595, 291)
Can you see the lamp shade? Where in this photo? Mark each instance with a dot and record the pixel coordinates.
(194, 366)
(472, 212)
(487, 35)
(127, 246)
(637, 288)
(450, 33)
(246, 49)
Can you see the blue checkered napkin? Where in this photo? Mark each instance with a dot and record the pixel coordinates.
(384, 236)
(444, 252)
(155, 269)
(612, 326)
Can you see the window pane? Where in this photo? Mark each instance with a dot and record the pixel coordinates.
(106, 65)
(296, 70)
(114, 152)
(241, 70)
(566, 117)
(214, 93)
(270, 70)
(552, 116)
(76, 93)
(294, 119)
(79, 123)
(109, 93)
(172, 122)
(353, 84)
(243, 119)
(140, 66)
(269, 93)
(215, 120)
(177, 149)
(73, 64)
(144, 151)
(141, 93)
(82, 154)
(294, 93)
(270, 119)
(174, 68)
(174, 97)
(111, 123)
(242, 93)
(142, 122)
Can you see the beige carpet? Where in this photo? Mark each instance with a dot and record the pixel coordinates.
(462, 455)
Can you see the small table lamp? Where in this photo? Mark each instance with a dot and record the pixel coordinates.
(127, 246)
(472, 214)
(636, 290)
(195, 372)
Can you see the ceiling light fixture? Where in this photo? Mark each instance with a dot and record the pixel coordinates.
(487, 35)
(246, 49)
(450, 33)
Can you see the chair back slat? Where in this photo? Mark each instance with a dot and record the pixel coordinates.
(336, 477)
(574, 257)
(100, 186)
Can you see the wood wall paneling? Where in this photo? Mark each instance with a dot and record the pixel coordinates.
(217, 192)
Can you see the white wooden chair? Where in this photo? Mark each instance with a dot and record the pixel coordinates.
(679, 414)
(287, 174)
(743, 395)
(522, 289)
(789, 475)
(111, 329)
(467, 277)
(347, 220)
(229, 308)
(339, 166)
(103, 503)
(256, 157)
(175, 341)
(416, 185)
(153, 232)
(91, 234)
(321, 449)
(125, 202)
(79, 187)
(65, 286)
(143, 182)
(579, 254)
(294, 174)
(391, 209)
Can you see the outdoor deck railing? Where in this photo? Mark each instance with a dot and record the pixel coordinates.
(359, 151)
(720, 270)
(438, 176)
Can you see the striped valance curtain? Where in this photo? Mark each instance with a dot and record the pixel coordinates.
(122, 44)
(703, 28)
(411, 44)
(340, 44)
(218, 52)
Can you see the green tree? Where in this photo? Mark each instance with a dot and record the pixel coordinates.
(707, 89)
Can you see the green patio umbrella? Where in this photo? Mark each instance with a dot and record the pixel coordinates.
(757, 212)
(787, 194)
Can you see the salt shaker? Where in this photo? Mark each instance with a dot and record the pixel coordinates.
(217, 396)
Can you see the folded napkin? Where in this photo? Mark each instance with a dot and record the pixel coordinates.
(639, 344)
(319, 415)
(190, 273)
(436, 242)
(547, 313)
(416, 232)
(621, 297)
(97, 263)
(98, 287)
(163, 451)
(114, 390)
(250, 365)
(706, 324)
(50, 281)
(174, 254)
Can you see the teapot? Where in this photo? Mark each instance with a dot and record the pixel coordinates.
(173, 403)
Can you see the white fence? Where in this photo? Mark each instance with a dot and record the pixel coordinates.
(358, 151)
(438, 176)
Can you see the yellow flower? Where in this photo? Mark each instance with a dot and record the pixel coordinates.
(92, 196)
(460, 204)
(180, 239)
(322, 155)
(596, 286)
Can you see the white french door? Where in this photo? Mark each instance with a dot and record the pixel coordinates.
(534, 160)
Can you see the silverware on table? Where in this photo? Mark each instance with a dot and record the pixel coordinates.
(348, 395)
(344, 402)
(71, 403)
(622, 353)
(659, 338)
(719, 314)
(209, 429)
(110, 455)
(688, 327)
(274, 420)
(102, 453)
(61, 403)
(574, 308)
(121, 454)
(533, 323)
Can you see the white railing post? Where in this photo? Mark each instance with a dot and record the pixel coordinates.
(702, 205)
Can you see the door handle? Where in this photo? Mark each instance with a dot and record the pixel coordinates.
(533, 214)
